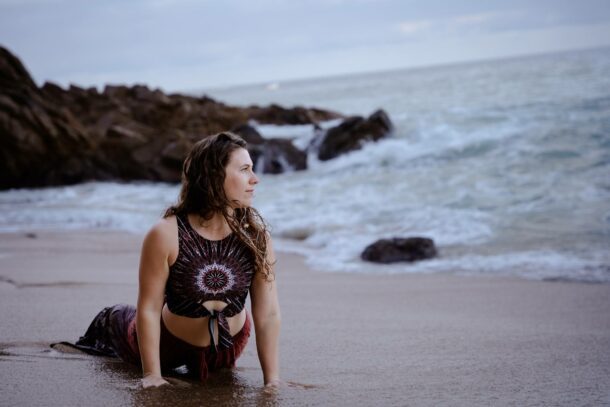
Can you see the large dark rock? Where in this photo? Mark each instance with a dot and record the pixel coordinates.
(400, 249)
(351, 134)
(248, 133)
(41, 142)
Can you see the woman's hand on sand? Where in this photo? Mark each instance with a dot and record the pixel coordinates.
(149, 381)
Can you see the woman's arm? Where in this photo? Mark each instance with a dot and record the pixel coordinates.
(154, 270)
(266, 314)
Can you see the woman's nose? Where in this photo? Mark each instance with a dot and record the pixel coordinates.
(254, 179)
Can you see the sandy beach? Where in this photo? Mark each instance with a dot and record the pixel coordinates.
(358, 339)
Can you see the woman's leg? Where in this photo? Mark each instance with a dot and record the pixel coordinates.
(112, 333)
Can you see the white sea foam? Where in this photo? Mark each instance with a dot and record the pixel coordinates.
(132, 207)
(300, 135)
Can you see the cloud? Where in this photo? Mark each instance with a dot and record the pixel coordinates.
(412, 27)
(479, 18)
(447, 25)
(461, 24)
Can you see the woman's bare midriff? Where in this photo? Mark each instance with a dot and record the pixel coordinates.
(195, 330)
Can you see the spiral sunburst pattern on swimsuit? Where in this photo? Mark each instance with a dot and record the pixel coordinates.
(206, 270)
(215, 279)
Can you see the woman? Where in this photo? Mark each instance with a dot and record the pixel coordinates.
(197, 266)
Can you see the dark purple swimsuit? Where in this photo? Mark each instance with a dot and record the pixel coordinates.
(208, 270)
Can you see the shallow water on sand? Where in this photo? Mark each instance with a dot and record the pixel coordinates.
(81, 379)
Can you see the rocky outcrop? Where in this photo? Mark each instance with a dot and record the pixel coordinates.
(52, 136)
(156, 130)
(400, 249)
(351, 134)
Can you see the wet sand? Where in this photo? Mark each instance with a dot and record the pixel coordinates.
(359, 339)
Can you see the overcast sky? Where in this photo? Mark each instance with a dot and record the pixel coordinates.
(192, 44)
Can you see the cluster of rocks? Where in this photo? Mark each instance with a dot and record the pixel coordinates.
(53, 136)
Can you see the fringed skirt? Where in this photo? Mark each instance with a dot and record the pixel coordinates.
(113, 333)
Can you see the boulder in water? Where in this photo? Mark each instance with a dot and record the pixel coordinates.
(351, 134)
(397, 249)
(271, 156)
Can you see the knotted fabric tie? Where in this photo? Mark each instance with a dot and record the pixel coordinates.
(225, 340)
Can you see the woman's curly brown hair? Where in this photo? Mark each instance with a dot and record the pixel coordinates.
(202, 193)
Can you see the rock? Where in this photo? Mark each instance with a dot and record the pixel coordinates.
(400, 249)
(271, 156)
(382, 120)
(248, 133)
(175, 152)
(12, 72)
(42, 142)
(124, 134)
(351, 134)
(275, 114)
(276, 156)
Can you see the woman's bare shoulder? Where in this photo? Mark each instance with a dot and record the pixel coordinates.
(164, 232)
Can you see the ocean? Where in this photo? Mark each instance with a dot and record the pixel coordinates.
(505, 164)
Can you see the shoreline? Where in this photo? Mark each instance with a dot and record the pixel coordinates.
(357, 338)
(128, 236)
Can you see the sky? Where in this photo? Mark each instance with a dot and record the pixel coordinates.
(185, 45)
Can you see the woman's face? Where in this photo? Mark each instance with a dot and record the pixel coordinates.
(240, 178)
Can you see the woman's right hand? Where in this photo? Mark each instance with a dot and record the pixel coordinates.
(153, 381)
